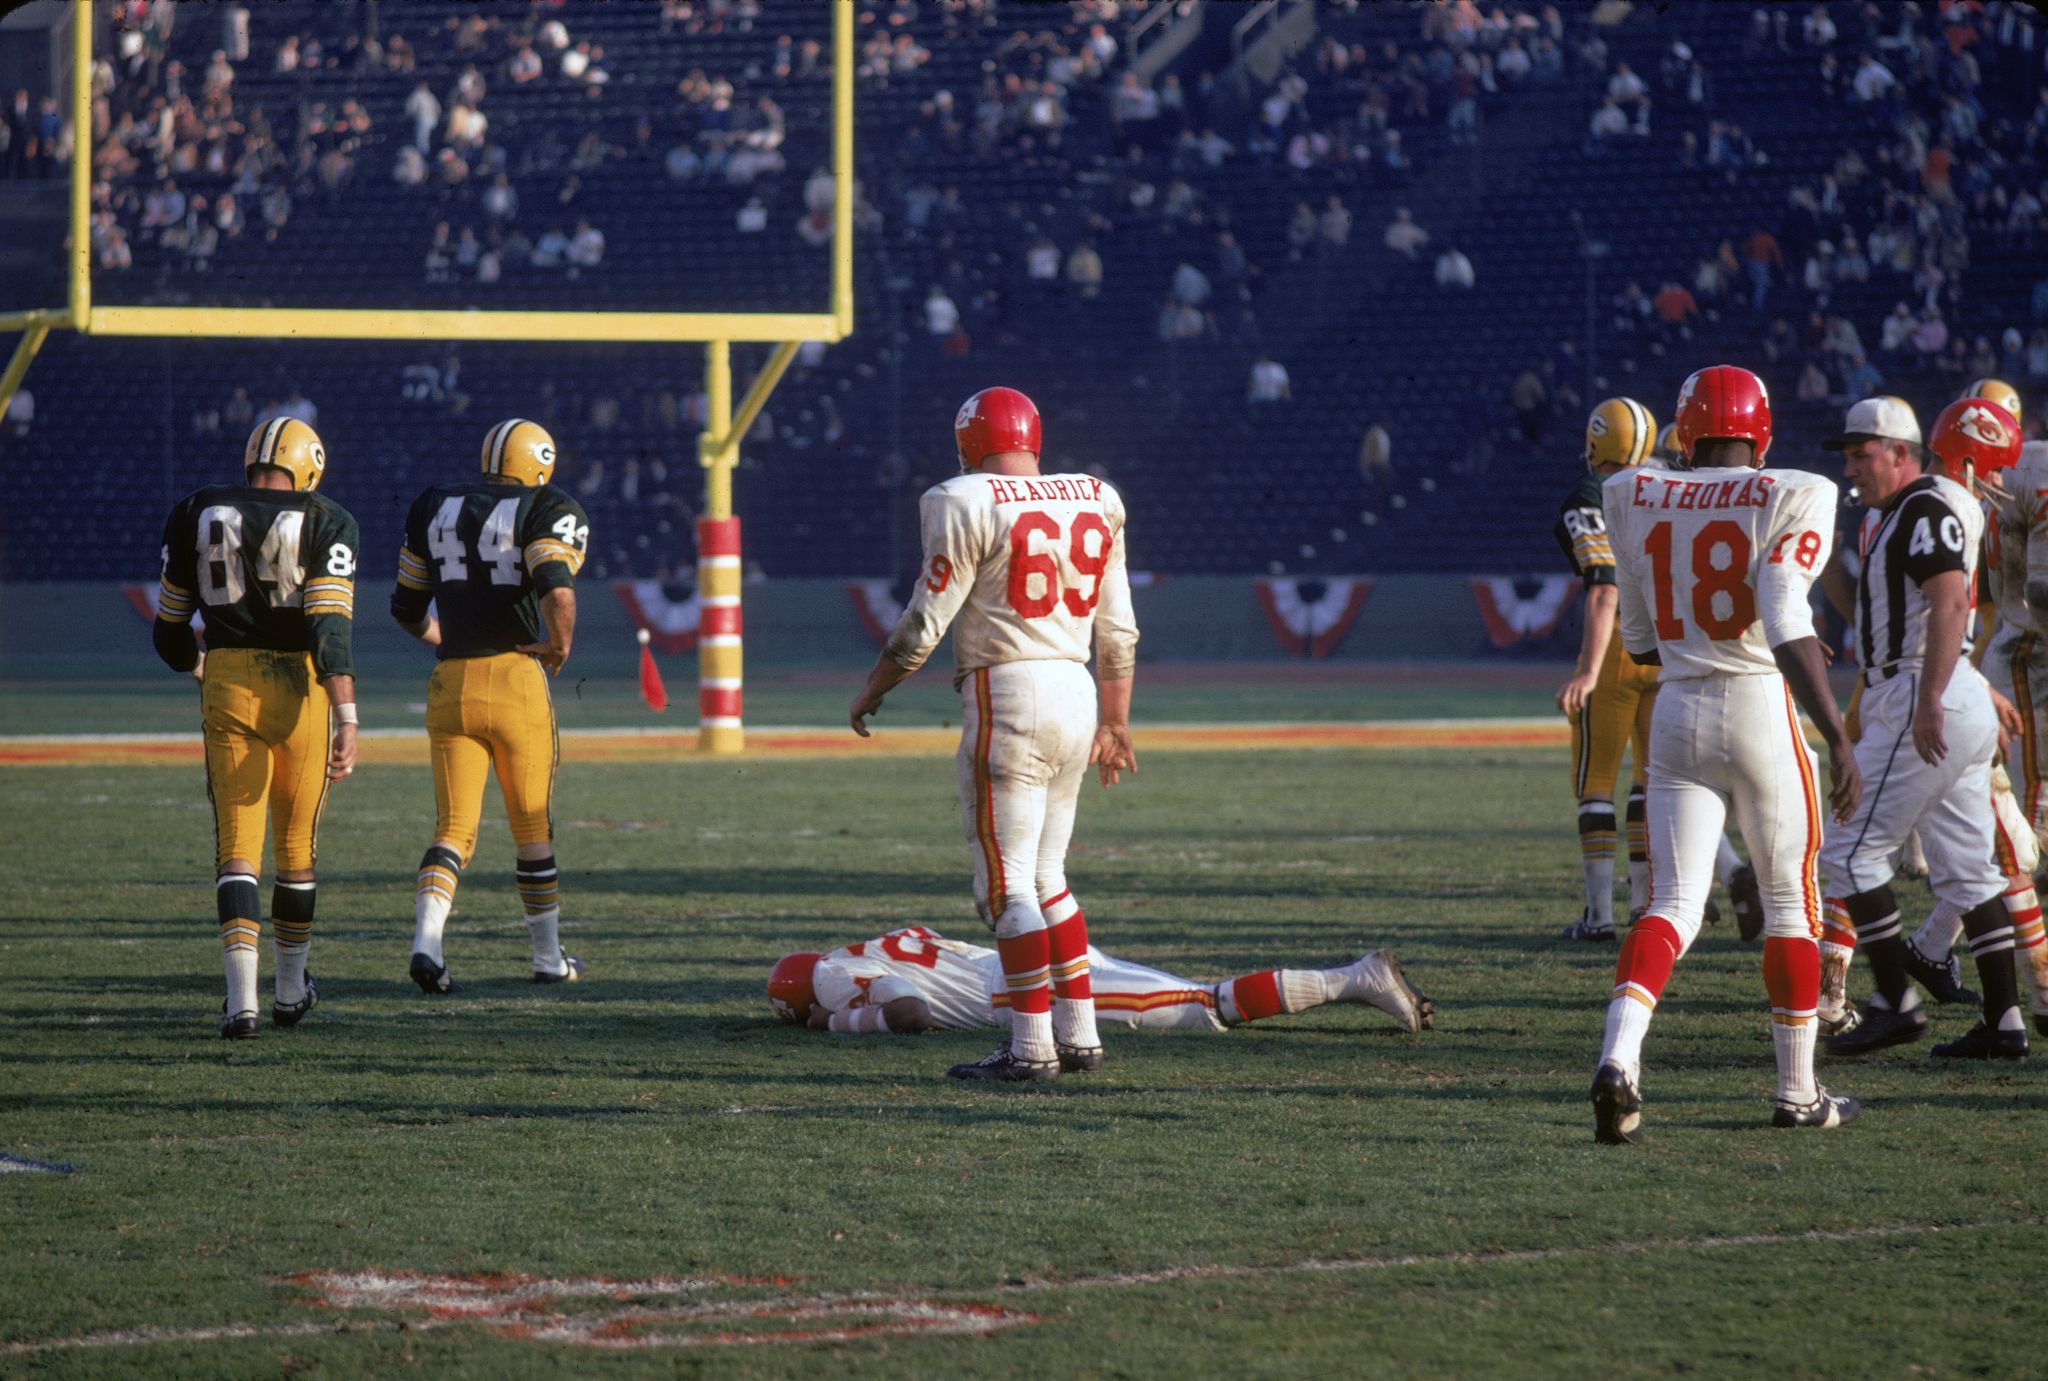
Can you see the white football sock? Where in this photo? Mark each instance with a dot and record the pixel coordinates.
(429, 919)
(1638, 885)
(239, 964)
(1073, 1022)
(2012, 1020)
(291, 969)
(1628, 1021)
(1600, 891)
(547, 943)
(1726, 862)
(1937, 934)
(1793, 1044)
(1031, 1036)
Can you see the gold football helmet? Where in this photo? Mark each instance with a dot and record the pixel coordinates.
(287, 444)
(1666, 449)
(1620, 432)
(520, 451)
(1999, 392)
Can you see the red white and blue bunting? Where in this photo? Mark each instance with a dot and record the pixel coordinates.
(1307, 622)
(670, 619)
(1512, 617)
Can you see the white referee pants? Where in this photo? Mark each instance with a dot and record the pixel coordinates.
(1025, 733)
(1722, 744)
(1949, 802)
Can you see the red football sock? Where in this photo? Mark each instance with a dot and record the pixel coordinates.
(1792, 975)
(1647, 955)
(1067, 943)
(1257, 995)
(1027, 971)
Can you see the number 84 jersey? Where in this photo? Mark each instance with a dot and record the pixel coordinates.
(1716, 566)
(1034, 568)
(485, 553)
(265, 568)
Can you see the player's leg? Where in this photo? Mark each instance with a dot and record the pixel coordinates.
(1600, 732)
(1002, 802)
(1066, 697)
(1375, 979)
(237, 785)
(1777, 800)
(299, 739)
(1635, 817)
(1128, 994)
(2028, 665)
(525, 751)
(1686, 812)
(461, 762)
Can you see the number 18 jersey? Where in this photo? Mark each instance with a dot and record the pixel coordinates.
(1716, 566)
(484, 553)
(1033, 566)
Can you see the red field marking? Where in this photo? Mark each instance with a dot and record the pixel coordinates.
(632, 745)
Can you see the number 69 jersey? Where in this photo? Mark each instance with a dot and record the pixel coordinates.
(1034, 568)
(485, 553)
(1716, 566)
(266, 568)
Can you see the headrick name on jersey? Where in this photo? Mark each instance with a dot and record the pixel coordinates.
(484, 553)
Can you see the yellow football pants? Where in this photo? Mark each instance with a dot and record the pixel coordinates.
(1617, 712)
(485, 713)
(267, 733)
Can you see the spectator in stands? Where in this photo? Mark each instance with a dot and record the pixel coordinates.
(1676, 308)
(1376, 459)
(1812, 386)
(1334, 225)
(424, 111)
(1268, 382)
(114, 253)
(1625, 87)
(410, 169)
(1861, 379)
(21, 412)
(1042, 266)
(525, 66)
(501, 199)
(1608, 124)
(1454, 270)
(1191, 285)
(2037, 359)
(1084, 271)
(586, 247)
(752, 218)
(1403, 235)
(1930, 337)
(551, 249)
(1530, 399)
(1819, 32)
(941, 314)
(1302, 229)
(1761, 258)
(1873, 80)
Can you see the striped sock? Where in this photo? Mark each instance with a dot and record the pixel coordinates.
(291, 936)
(1990, 929)
(440, 873)
(1073, 993)
(239, 902)
(1638, 850)
(2024, 906)
(1596, 858)
(1274, 992)
(1027, 976)
(1792, 977)
(1879, 935)
(541, 894)
(1837, 948)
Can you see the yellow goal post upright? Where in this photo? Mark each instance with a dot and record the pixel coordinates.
(718, 570)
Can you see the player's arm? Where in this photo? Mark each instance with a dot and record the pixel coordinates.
(557, 536)
(1116, 662)
(952, 554)
(1839, 586)
(1987, 615)
(1593, 555)
(894, 1006)
(1785, 579)
(1638, 632)
(330, 606)
(412, 598)
(170, 632)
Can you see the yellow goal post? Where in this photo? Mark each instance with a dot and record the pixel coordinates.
(725, 424)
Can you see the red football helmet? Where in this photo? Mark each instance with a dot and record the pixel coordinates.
(1974, 432)
(789, 985)
(993, 421)
(1723, 401)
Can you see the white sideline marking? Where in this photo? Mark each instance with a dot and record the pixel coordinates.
(21, 1165)
(670, 731)
(514, 1304)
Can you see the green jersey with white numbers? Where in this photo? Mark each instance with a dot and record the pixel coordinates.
(484, 553)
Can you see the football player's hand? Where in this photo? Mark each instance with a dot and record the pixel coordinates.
(1571, 696)
(2009, 725)
(818, 1019)
(1112, 753)
(1847, 789)
(550, 655)
(341, 757)
(199, 668)
(1929, 742)
(863, 706)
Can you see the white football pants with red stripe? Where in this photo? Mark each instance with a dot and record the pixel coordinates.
(1948, 802)
(2018, 665)
(1130, 994)
(1722, 744)
(1025, 734)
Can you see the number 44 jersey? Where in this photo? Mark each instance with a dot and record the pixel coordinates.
(266, 568)
(485, 553)
(1716, 566)
(1033, 566)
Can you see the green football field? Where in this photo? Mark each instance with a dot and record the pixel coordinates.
(644, 1174)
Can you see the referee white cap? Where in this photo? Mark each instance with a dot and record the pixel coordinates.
(1887, 419)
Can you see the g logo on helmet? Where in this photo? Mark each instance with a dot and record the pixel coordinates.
(544, 454)
(1596, 425)
(319, 457)
(1979, 425)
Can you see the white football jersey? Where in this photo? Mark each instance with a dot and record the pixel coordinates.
(1931, 526)
(1034, 569)
(1716, 566)
(2016, 537)
(957, 981)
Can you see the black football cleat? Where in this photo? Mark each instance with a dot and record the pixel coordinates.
(1617, 1108)
(1842, 1022)
(288, 1013)
(1584, 929)
(1079, 1059)
(433, 978)
(1710, 914)
(1980, 1042)
(572, 969)
(1826, 1110)
(1943, 977)
(1747, 899)
(242, 1026)
(1000, 1065)
(1880, 1027)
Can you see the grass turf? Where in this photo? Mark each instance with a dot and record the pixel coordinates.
(654, 1121)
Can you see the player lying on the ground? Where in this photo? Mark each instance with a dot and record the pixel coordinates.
(915, 979)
